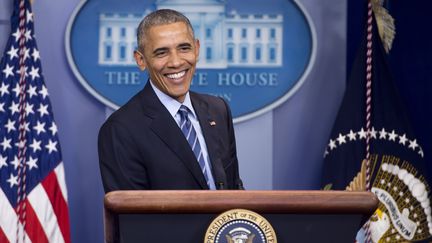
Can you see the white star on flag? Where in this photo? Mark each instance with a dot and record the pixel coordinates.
(13, 180)
(352, 136)
(4, 89)
(18, 71)
(43, 110)
(402, 139)
(392, 136)
(27, 35)
(17, 35)
(29, 16)
(373, 133)
(15, 162)
(26, 53)
(51, 146)
(53, 129)
(34, 73)
(8, 70)
(421, 153)
(383, 134)
(16, 90)
(6, 143)
(413, 144)
(40, 127)
(332, 144)
(10, 126)
(35, 55)
(26, 126)
(35, 145)
(29, 109)
(43, 91)
(32, 163)
(362, 133)
(13, 52)
(3, 161)
(14, 107)
(20, 144)
(31, 91)
(341, 139)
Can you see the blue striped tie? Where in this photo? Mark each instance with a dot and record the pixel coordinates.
(191, 136)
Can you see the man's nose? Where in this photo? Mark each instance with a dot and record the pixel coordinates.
(175, 59)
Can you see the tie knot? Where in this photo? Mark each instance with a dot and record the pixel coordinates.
(183, 111)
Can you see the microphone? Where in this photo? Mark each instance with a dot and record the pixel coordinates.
(220, 186)
(239, 185)
(219, 175)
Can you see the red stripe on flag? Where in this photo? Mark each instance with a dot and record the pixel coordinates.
(3, 237)
(58, 203)
(33, 227)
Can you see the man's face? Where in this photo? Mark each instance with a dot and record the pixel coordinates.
(170, 55)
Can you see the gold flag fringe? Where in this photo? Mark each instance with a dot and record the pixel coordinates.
(385, 23)
(359, 182)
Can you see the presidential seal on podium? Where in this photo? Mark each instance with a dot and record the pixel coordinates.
(240, 226)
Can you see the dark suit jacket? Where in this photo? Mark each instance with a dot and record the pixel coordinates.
(141, 146)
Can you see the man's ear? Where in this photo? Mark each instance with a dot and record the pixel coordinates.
(197, 48)
(139, 59)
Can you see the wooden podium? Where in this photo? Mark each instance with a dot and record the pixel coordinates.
(184, 216)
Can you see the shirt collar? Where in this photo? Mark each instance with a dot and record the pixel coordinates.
(171, 104)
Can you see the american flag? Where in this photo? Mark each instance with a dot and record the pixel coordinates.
(33, 195)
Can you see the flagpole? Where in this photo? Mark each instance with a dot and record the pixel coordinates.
(21, 189)
(368, 105)
(368, 93)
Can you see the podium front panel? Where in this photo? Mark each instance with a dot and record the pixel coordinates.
(188, 228)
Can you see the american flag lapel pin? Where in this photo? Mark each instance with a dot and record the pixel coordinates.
(212, 123)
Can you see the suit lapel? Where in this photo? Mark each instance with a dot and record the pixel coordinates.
(210, 133)
(165, 127)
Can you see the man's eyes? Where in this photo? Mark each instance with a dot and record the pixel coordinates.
(160, 53)
(185, 48)
(163, 53)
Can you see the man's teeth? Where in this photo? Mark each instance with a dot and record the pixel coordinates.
(176, 75)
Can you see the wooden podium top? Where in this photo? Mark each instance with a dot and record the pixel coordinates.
(334, 202)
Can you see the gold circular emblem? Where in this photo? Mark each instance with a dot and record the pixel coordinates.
(240, 226)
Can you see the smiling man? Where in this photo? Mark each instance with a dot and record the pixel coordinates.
(167, 137)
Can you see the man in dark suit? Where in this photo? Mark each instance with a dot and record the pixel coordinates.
(167, 137)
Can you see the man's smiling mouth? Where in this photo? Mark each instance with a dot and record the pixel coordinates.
(176, 75)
